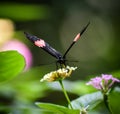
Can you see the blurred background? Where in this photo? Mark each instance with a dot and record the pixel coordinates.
(57, 22)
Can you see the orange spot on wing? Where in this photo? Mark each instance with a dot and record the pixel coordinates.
(40, 43)
(77, 37)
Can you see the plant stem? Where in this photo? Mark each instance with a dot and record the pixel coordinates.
(65, 93)
(107, 103)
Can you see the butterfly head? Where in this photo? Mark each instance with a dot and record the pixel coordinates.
(62, 62)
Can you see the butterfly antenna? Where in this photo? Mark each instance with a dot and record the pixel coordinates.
(76, 38)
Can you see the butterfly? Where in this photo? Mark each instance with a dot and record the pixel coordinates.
(61, 59)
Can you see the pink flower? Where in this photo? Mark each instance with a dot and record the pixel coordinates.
(95, 82)
(104, 82)
(21, 48)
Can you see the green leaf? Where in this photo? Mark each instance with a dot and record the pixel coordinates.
(11, 64)
(116, 74)
(10, 10)
(57, 108)
(113, 100)
(88, 100)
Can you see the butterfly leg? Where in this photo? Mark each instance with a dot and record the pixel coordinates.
(56, 65)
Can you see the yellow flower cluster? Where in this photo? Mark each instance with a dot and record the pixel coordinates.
(58, 74)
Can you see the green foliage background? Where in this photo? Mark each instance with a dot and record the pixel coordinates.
(57, 22)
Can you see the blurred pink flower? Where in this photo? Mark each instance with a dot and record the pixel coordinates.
(95, 82)
(104, 82)
(21, 48)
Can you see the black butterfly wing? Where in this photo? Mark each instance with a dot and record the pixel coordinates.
(45, 46)
(75, 39)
